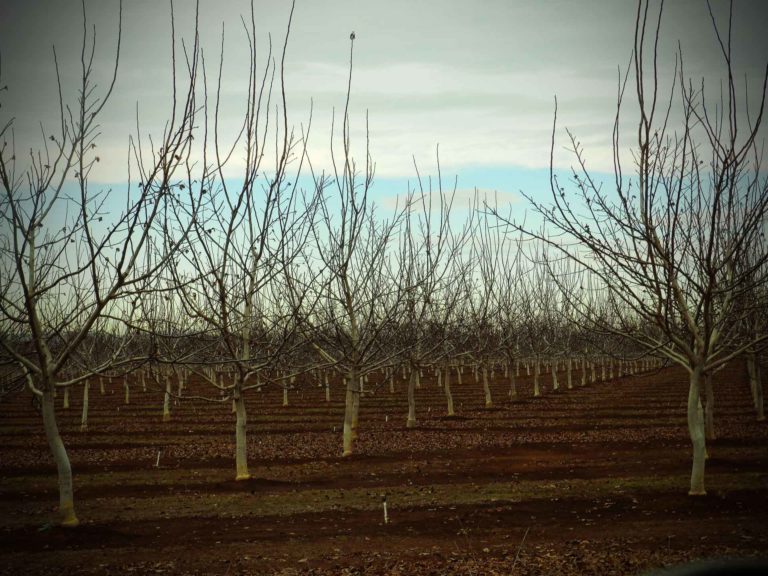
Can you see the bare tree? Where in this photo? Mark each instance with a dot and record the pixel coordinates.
(671, 244)
(70, 258)
(481, 312)
(232, 274)
(428, 252)
(512, 272)
(354, 296)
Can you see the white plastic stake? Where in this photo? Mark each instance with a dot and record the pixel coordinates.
(384, 502)
(157, 463)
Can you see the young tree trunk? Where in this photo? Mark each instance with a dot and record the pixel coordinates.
(66, 398)
(327, 387)
(555, 383)
(101, 385)
(412, 381)
(709, 410)
(569, 373)
(127, 391)
(759, 402)
(536, 389)
(347, 432)
(513, 384)
(84, 415)
(356, 410)
(696, 432)
(755, 384)
(392, 380)
(241, 444)
(487, 387)
(349, 413)
(285, 394)
(66, 493)
(447, 389)
(167, 399)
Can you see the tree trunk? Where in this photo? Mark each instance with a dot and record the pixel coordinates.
(285, 394)
(349, 408)
(241, 443)
(66, 398)
(447, 389)
(411, 422)
(513, 384)
(536, 389)
(709, 410)
(66, 493)
(327, 387)
(555, 383)
(127, 391)
(487, 387)
(569, 373)
(759, 402)
(696, 432)
(755, 384)
(84, 415)
(101, 385)
(356, 408)
(167, 399)
(751, 374)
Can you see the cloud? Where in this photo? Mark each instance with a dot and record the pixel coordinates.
(479, 81)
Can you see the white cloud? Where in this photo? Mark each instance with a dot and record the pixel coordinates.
(479, 80)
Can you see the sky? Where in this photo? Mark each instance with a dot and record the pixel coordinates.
(478, 79)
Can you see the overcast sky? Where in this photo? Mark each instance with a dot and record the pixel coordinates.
(476, 77)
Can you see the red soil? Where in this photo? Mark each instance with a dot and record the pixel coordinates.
(585, 481)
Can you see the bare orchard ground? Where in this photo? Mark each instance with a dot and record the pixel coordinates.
(587, 481)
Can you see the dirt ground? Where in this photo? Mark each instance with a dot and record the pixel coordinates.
(585, 481)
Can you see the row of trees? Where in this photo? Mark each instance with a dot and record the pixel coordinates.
(287, 268)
